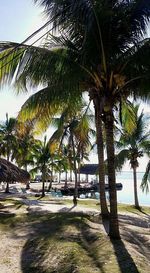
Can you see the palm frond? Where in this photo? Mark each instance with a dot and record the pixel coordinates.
(146, 179)
(30, 66)
(121, 158)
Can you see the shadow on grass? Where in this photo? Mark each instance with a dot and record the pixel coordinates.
(64, 238)
(65, 209)
(66, 242)
(132, 209)
(143, 212)
(135, 221)
(125, 261)
(7, 219)
(139, 240)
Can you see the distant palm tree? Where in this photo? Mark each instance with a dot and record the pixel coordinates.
(42, 162)
(8, 139)
(133, 145)
(7, 134)
(73, 127)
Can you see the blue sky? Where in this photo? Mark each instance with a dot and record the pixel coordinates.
(19, 18)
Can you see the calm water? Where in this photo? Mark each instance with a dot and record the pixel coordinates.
(126, 195)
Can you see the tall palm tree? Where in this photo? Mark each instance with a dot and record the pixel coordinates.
(100, 47)
(133, 145)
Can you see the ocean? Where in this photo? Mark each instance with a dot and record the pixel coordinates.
(126, 195)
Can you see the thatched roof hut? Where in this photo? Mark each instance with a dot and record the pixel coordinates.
(11, 173)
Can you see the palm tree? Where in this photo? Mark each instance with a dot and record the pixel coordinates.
(73, 127)
(100, 47)
(133, 145)
(43, 162)
(8, 140)
(24, 149)
(7, 132)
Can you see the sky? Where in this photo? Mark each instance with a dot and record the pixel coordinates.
(19, 19)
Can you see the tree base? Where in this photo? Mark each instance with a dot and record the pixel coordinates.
(105, 215)
(137, 207)
(114, 237)
(75, 200)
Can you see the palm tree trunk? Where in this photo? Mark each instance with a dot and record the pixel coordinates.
(28, 182)
(70, 175)
(43, 181)
(100, 150)
(136, 202)
(114, 225)
(7, 188)
(59, 177)
(7, 150)
(43, 188)
(75, 172)
(66, 180)
(79, 178)
(51, 181)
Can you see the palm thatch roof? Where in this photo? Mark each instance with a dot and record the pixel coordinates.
(89, 169)
(11, 173)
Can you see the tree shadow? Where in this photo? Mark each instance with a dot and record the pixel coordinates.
(74, 232)
(56, 241)
(65, 209)
(7, 219)
(50, 235)
(143, 212)
(135, 221)
(139, 240)
(125, 261)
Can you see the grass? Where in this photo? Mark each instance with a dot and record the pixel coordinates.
(132, 209)
(68, 242)
(65, 243)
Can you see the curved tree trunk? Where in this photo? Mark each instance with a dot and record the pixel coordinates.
(136, 202)
(100, 151)
(114, 225)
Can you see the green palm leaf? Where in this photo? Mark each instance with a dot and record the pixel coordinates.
(146, 179)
